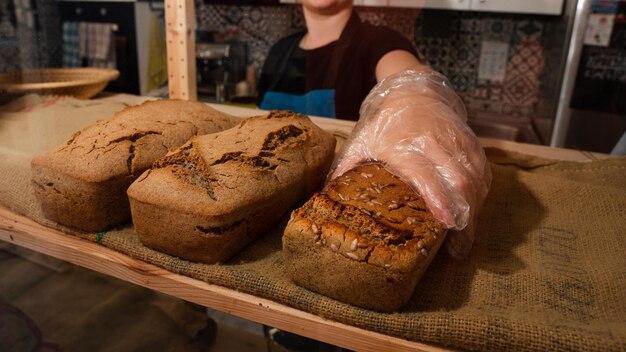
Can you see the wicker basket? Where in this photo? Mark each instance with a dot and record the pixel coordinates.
(78, 82)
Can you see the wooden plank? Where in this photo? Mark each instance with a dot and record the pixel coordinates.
(26, 233)
(544, 151)
(181, 49)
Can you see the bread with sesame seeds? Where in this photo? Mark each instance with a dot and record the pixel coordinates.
(219, 192)
(82, 183)
(366, 239)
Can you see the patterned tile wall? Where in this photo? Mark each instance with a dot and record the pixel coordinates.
(450, 40)
(457, 54)
(259, 26)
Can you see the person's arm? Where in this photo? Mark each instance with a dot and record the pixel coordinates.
(396, 61)
(415, 125)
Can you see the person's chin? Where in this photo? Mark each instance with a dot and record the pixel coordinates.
(327, 6)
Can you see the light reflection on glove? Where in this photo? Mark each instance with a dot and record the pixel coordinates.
(415, 125)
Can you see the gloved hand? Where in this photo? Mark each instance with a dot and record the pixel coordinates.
(415, 125)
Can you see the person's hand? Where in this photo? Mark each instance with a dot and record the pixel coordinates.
(415, 125)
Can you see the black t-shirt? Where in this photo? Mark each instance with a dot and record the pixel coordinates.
(331, 80)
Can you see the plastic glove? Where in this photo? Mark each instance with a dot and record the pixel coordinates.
(415, 125)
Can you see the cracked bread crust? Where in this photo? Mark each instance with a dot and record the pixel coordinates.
(82, 183)
(366, 239)
(219, 192)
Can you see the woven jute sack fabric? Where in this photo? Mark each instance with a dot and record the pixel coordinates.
(547, 271)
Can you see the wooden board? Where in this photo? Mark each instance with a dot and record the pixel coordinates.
(26, 233)
(180, 36)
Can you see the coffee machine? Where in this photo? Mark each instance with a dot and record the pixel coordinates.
(219, 67)
(212, 70)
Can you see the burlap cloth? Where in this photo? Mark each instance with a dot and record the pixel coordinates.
(547, 271)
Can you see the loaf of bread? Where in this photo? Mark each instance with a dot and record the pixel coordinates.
(366, 239)
(82, 183)
(217, 193)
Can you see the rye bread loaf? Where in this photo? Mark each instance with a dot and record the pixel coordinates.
(219, 192)
(366, 239)
(82, 183)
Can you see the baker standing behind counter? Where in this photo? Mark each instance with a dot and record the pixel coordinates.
(409, 118)
(330, 68)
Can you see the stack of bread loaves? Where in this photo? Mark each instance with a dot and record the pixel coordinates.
(205, 184)
(203, 201)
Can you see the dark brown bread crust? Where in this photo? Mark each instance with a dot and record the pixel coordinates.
(82, 183)
(219, 192)
(366, 239)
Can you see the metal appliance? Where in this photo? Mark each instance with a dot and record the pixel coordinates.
(212, 70)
